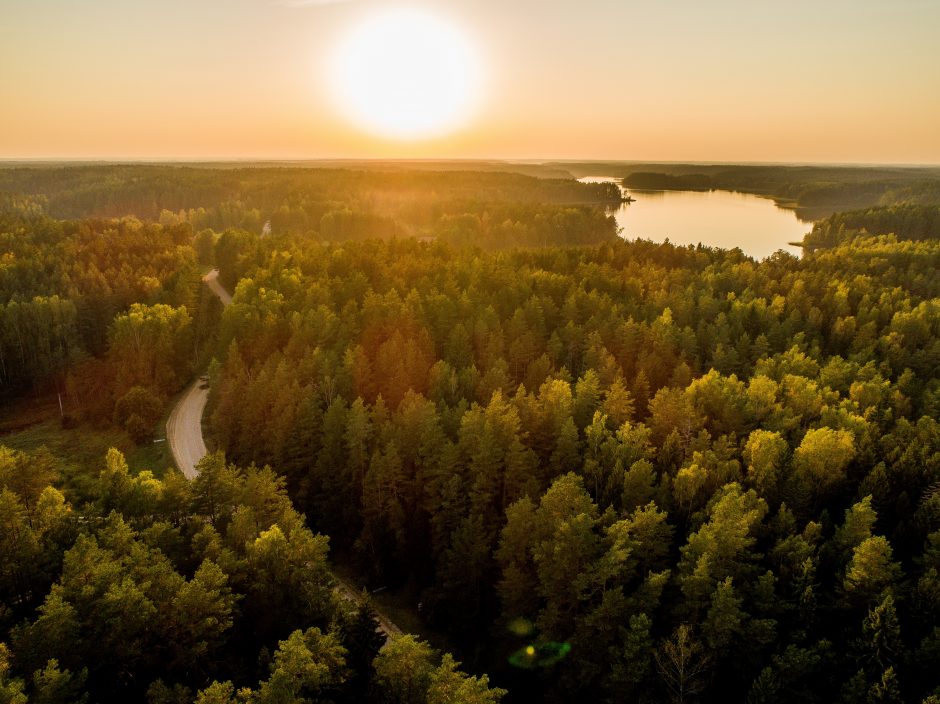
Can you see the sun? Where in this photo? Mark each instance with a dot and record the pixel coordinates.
(406, 74)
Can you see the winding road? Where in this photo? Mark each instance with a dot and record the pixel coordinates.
(184, 435)
(184, 427)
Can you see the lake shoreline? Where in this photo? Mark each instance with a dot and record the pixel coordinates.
(758, 224)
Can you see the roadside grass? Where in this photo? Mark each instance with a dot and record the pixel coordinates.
(29, 424)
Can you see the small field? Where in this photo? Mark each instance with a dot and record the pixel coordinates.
(33, 423)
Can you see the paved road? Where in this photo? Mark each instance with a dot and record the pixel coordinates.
(184, 434)
(184, 427)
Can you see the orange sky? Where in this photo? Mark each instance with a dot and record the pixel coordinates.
(852, 81)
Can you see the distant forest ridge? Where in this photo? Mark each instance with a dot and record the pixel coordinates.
(814, 191)
(534, 169)
(463, 202)
(144, 190)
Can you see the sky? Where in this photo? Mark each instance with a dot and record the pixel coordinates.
(847, 81)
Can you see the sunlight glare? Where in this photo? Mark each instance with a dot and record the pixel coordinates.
(406, 74)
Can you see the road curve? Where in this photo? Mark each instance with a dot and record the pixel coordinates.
(184, 435)
(184, 427)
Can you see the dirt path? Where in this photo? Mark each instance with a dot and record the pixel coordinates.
(212, 281)
(184, 435)
(386, 625)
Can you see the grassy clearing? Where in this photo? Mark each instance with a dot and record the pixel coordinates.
(30, 424)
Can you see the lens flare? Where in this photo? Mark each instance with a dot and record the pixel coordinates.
(540, 655)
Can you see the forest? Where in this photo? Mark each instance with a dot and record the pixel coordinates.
(906, 221)
(632, 449)
(590, 469)
(302, 201)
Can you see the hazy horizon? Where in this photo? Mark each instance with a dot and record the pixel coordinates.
(730, 82)
(301, 161)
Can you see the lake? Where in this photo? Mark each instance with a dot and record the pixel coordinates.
(717, 218)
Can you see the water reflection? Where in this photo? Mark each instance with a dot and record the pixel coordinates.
(640, 192)
(717, 218)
